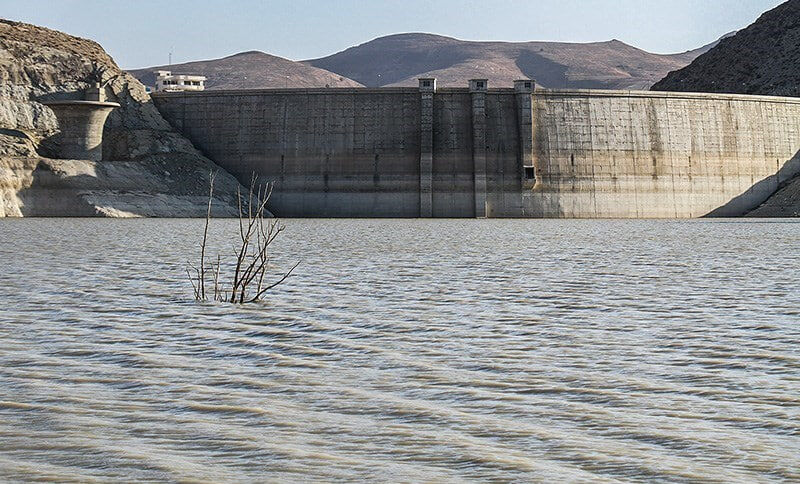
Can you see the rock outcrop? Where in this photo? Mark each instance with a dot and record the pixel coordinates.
(151, 169)
(764, 58)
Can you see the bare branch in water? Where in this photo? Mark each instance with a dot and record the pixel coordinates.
(280, 281)
(257, 231)
(202, 283)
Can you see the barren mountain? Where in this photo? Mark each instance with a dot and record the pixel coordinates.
(251, 70)
(764, 58)
(401, 59)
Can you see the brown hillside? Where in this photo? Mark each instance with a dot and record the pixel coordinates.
(401, 59)
(764, 58)
(252, 70)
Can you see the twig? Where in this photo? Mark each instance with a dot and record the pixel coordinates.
(202, 283)
(280, 281)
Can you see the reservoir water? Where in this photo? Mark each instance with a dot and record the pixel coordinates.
(405, 350)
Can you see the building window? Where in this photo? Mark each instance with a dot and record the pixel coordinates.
(426, 83)
(530, 173)
(480, 84)
(527, 85)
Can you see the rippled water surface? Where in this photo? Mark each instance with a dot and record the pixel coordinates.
(405, 350)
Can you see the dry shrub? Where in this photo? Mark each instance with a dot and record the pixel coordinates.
(248, 279)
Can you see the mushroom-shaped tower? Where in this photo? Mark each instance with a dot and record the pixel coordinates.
(81, 123)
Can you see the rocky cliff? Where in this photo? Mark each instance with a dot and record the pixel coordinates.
(151, 169)
(764, 58)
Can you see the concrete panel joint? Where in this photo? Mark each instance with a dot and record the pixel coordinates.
(523, 90)
(427, 87)
(478, 89)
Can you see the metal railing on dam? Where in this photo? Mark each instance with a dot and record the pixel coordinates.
(512, 152)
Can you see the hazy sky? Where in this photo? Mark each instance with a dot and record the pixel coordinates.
(141, 33)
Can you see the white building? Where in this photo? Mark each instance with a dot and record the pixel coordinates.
(166, 81)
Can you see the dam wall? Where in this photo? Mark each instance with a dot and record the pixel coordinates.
(332, 152)
(511, 152)
(659, 155)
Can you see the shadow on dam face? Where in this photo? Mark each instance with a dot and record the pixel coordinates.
(760, 191)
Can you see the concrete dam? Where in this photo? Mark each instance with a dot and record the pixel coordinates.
(507, 152)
